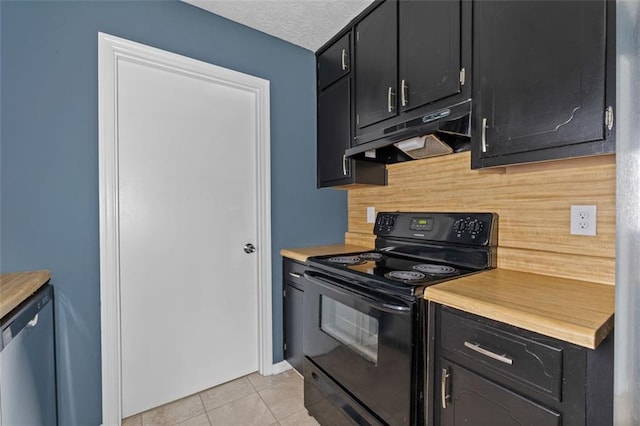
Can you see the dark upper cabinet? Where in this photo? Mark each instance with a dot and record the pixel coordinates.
(334, 133)
(543, 79)
(429, 52)
(376, 72)
(407, 55)
(333, 63)
(334, 123)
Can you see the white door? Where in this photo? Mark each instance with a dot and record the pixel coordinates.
(187, 189)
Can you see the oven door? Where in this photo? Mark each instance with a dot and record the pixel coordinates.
(363, 342)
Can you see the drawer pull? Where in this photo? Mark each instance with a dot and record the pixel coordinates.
(443, 387)
(476, 347)
(294, 275)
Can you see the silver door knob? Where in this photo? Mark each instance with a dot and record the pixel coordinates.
(249, 248)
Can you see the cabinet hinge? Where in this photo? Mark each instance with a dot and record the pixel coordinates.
(358, 119)
(463, 76)
(284, 293)
(357, 36)
(609, 118)
(285, 346)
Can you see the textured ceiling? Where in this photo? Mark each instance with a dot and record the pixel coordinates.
(306, 23)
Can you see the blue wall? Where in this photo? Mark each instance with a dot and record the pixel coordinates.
(49, 154)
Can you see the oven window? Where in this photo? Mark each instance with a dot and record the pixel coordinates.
(355, 329)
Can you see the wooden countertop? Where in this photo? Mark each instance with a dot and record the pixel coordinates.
(575, 311)
(301, 254)
(16, 287)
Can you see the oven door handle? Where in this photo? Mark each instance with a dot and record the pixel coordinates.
(379, 304)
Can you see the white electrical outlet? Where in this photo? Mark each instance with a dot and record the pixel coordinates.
(583, 220)
(371, 214)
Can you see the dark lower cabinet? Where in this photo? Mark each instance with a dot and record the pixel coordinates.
(489, 373)
(543, 80)
(293, 302)
(470, 399)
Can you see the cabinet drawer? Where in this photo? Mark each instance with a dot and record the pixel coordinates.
(518, 357)
(293, 273)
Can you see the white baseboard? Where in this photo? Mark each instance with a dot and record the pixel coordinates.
(280, 367)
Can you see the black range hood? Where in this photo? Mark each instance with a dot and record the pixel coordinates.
(451, 125)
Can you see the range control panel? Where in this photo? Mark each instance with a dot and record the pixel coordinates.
(463, 228)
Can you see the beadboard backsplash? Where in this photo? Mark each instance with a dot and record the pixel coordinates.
(533, 203)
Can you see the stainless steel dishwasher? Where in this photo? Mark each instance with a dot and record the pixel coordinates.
(27, 363)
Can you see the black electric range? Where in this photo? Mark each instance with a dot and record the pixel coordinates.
(365, 317)
(416, 250)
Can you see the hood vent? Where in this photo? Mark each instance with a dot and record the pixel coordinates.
(440, 132)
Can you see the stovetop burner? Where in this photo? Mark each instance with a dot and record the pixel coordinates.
(406, 276)
(391, 270)
(347, 260)
(371, 256)
(433, 269)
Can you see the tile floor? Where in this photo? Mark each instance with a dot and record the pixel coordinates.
(250, 400)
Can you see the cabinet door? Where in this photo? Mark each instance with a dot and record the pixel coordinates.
(334, 133)
(376, 70)
(333, 63)
(470, 399)
(540, 68)
(430, 51)
(293, 315)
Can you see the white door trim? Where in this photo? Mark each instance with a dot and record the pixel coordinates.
(112, 49)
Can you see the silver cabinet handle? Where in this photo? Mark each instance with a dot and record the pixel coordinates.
(249, 248)
(403, 93)
(344, 165)
(484, 135)
(344, 59)
(294, 275)
(443, 387)
(608, 117)
(389, 96)
(476, 347)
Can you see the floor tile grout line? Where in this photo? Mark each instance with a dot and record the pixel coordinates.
(268, 408)
(228, 402)
(251, 383)
(206, 412)
(190, 418)
(204, 407)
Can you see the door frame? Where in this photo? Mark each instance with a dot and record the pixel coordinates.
(112, 49)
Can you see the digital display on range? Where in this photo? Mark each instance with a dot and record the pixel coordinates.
(421, 224)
